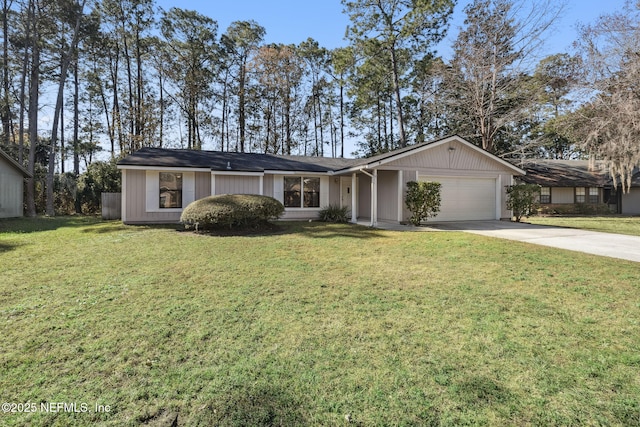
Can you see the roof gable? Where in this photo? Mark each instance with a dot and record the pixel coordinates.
(17, 166)
(443, 153)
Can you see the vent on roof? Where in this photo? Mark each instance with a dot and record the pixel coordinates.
(228, 165)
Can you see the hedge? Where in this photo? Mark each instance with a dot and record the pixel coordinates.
(231, 211)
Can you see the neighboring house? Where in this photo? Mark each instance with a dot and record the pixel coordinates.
(631, 201)
(12, 176)
(158, 183)
(573, 185)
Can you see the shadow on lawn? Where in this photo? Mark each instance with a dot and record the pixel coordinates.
(8, 246)
(314, 229)
(261, 405)
(322, 230)
(44, 223)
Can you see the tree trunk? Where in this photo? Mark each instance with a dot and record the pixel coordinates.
(139, 127)
(224, 110)
(5, 111)
(34, 91)
(66, 61)
(161, 142)
(76, 121)
(341, 120)
(241, 102)
(76, 142)
(396, 91)
(23, 90)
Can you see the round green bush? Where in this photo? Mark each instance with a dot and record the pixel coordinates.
(231, 211)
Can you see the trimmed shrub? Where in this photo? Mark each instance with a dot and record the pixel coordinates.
(423, 200)
(575, 209)
(334, 213)
(231, 211)
(522, 199)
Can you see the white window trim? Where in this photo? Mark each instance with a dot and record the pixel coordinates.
(153, 190)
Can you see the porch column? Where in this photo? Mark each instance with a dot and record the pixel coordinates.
(400, 201)
(374, 198)
(261, 185)
(213, 184)
(354, 199)
(499, 196)
(123, 195)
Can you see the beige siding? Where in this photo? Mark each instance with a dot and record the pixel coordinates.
(452, 159)
(364, 196)
(135, 201)
(234, 184)
(203, 185)
(11, 191)
(135, 210)
(388, 195)
(562, 195)
(268, 185)
(300, 214)
(453, 155)
(334, 191)
(631, 202)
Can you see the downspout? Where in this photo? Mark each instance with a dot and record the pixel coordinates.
(374, 195)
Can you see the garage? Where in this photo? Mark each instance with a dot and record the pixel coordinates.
(465, 198)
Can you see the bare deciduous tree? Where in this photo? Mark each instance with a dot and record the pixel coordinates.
(491, 54)
(610, 50)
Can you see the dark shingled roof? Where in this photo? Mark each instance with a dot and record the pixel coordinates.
(240, 162)
(258, 162)
(565, 173)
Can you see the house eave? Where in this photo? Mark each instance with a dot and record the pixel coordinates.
(163, 168)
(15, 165)
(419, 148)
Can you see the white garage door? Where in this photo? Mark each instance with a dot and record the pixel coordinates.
(465, 199)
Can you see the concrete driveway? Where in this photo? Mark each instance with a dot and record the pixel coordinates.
(591, 242)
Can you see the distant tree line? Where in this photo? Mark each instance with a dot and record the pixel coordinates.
(79, 77)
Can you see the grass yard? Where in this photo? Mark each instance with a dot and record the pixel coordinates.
(608, 224)
(319, 325)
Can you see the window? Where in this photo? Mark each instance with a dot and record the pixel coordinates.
(301, 192)
(545, 194)
(580, 195)
(594, 195)
(610, 196)
(170, 190)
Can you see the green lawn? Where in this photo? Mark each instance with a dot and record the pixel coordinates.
(312, 326)
(609, 224)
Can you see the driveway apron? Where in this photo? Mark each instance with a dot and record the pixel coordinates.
(591, 242)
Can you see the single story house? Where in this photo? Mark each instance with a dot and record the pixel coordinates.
(574, 184)
(158, 183)
(12, 176)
